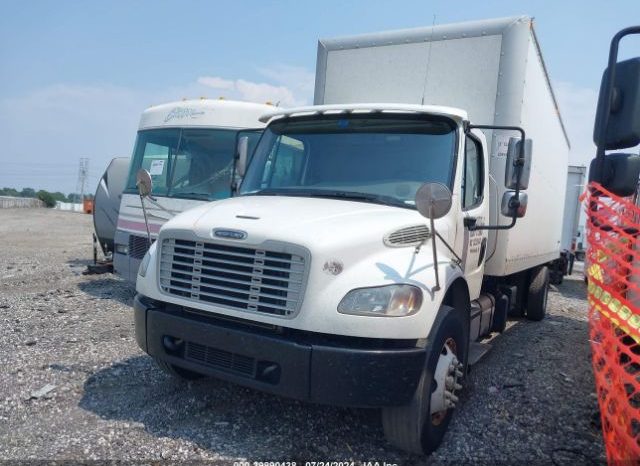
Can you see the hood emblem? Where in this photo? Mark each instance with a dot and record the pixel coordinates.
(333, 267)
(229, 234)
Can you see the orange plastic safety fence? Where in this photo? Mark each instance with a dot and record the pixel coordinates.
(613, 273)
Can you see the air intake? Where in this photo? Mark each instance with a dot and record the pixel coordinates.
(407, 236)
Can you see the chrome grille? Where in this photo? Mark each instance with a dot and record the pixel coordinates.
(138, 246)
(240, 278)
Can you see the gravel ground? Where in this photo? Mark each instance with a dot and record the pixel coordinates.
(75, 386)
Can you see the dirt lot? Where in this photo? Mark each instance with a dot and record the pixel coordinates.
(530, 400)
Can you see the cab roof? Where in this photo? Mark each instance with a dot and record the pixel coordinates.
(205, 113)
(338, 109)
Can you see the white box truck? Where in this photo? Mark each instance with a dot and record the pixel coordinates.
(323, 280)
(188, 148)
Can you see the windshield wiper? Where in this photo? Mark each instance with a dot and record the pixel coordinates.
(366, 197)
(194, 195)
(334, 194)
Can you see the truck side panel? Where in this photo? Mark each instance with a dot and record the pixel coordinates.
(536, 238)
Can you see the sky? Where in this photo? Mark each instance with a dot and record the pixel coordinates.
(75, 75)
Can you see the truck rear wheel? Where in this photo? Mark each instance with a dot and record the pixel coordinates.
(420, 425)
(177, 372)
(538, 293)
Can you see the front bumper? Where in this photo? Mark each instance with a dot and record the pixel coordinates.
(302, 365)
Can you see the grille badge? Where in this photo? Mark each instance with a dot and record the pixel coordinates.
(333, 267)
(230, 234)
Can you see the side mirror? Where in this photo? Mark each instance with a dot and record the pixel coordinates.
(242, 155)
(623, 126)
(513, 165)
(620, 173)
(433, 200)
(512, 206)
(143, 182)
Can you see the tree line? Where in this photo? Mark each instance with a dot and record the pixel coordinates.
(49, 198)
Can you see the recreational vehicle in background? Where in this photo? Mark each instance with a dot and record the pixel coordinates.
(188, 147)
(106, 204)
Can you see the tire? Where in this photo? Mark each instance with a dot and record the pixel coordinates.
(411, 427)
(556, 278)
(538, 293)
(177, 372)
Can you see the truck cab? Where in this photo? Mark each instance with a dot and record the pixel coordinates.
(323, 281)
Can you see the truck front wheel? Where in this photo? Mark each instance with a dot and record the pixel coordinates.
(420, 425)
(538, 293)
(177, 372)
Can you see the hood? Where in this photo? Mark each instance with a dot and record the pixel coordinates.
(309, 222)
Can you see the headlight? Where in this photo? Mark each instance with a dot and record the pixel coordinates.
(390, 300)
(122, 249)
(142, 271)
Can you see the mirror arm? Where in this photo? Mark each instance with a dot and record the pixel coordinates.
(494, 227)
(146, 221)
(520, 164)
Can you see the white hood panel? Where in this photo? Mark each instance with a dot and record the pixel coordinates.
(309, 222)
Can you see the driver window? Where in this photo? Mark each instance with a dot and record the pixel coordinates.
(473, 175)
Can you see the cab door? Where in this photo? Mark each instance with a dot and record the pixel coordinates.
(475, 197)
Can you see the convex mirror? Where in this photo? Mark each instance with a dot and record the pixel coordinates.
(143, 182)
(513, 206)
(433, 200)
(621, 172)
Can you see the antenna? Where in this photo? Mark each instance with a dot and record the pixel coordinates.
(83, 172)
(426, 73)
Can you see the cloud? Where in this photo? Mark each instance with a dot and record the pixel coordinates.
(250, 91)
(216, 83)
(44, 132)
(288, 85)
(300, 80)
(578, 110)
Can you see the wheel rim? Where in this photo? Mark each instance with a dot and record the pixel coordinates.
(447, 379)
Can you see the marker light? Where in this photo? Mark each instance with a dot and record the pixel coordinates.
(142, 270)
(122, 249)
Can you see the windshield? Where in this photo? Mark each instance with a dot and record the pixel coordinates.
(186, 162)
(381, 159)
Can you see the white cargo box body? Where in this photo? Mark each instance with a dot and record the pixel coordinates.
(492, 69)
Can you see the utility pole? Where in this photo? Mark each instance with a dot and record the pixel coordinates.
(83, 171)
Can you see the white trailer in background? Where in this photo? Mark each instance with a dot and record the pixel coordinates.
(188, 147)
(323, 281)
(572, 235)
(575, 187)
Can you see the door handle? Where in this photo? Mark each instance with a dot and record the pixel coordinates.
(470, 222)
(483, 250)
